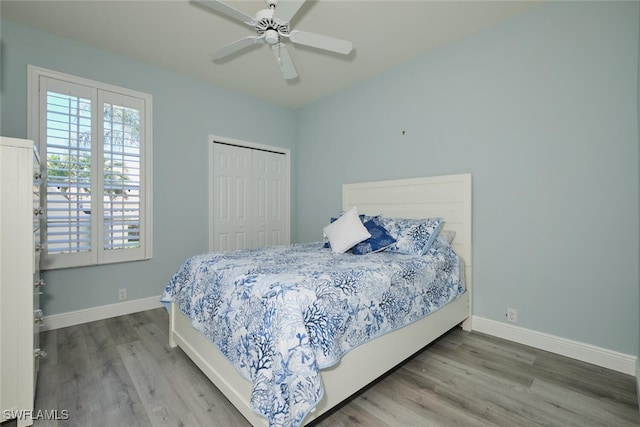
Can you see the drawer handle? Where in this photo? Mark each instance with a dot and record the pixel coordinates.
(38, 317)
(39, 283)
(39, 353)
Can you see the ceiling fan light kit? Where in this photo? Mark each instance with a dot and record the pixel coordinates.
(272, 26)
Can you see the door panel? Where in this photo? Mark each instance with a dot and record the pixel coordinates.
(231, 195)
(270, 205)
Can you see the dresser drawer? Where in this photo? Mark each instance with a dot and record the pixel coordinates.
(37, 250)
(19, 227)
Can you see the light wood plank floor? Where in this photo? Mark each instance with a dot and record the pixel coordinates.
(121, 372)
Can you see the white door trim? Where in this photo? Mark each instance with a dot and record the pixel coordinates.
(246, 144)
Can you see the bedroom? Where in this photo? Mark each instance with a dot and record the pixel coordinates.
(542, 110)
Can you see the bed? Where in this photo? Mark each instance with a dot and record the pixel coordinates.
(448, 197)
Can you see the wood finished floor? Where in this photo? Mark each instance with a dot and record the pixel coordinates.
(121, 372)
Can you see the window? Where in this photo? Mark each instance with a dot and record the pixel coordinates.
(95, 141)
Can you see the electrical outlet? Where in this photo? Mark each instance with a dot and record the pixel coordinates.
(122, 294)
(512, 315)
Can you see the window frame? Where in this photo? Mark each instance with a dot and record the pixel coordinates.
(101, 93)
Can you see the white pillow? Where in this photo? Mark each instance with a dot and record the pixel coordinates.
(346, 231)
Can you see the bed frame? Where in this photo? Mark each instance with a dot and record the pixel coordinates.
(442, 196)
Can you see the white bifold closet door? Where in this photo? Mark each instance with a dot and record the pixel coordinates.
(249, 198)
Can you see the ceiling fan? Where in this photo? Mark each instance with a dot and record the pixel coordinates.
(272, 26)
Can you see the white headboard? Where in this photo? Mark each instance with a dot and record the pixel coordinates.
(447, 196)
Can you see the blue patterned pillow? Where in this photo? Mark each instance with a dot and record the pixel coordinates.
(379, 241)
(414, 236)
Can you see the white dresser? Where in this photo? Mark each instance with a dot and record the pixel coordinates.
(20, 283)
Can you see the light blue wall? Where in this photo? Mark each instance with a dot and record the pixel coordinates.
(543, 111)
(186, 111)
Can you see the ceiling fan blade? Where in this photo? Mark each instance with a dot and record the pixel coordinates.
(235, 46)
(287, 9)
(284, 61)
(321, 42)
(228, 10)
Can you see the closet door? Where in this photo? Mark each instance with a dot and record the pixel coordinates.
(232, 187)
(249, 197)
(269, 179)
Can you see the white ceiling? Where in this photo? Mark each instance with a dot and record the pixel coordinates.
(179, 35)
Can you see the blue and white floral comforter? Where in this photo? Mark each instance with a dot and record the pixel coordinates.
(280, 314)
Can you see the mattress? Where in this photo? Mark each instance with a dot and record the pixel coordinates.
(281, 314)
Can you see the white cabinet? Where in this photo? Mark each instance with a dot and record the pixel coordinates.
(250, 198)
(20, 283)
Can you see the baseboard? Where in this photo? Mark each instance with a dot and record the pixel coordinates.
(71, 318)
(609, 359)
(638, 380)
